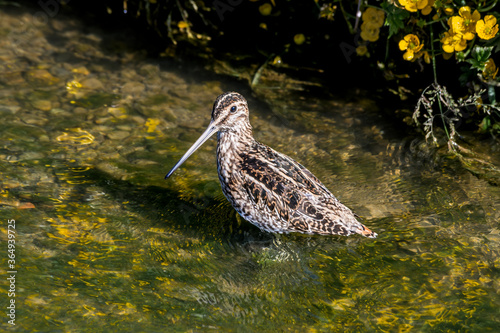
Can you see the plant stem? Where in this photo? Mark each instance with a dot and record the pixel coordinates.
(433, 56)
(349, 25)
(485, 9)
(437, 87)
(441, 112)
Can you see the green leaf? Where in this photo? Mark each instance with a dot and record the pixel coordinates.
(475, 64)
(395, 18)
(485, 124)
(460, 56)
(481, 54)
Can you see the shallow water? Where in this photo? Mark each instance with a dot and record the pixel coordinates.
(103, 243)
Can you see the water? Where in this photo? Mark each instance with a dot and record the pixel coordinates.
(103, 243)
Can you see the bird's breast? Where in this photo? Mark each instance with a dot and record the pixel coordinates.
(229, 165)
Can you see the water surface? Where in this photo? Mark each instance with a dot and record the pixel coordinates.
(89, 129)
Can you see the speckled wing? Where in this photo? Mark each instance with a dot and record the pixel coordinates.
(289, 194)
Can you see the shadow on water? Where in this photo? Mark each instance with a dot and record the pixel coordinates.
(211, 219)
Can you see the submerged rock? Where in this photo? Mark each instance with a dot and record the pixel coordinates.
(41, 77)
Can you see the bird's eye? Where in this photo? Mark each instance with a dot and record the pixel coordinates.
(233, 109)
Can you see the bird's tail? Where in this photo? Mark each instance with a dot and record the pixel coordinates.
(362, 230)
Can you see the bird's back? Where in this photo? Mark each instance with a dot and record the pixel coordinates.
(278, 194)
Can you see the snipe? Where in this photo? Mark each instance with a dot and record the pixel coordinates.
(267, 188)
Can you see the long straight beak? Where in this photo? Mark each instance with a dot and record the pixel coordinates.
(204, 137)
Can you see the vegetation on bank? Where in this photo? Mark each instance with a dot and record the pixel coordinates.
(440, 55)
(428, 29)
(422, 47)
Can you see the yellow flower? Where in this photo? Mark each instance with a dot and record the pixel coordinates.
(369, 31)
(362, 50)
(465, 24)
(490, 70)
(299, 39)
(427, 9)
(442, 6)
(487, 28)
(411, 44)
(265, 9)
(374, 16)
(183, 25)
(453, 42)
(427, 57)
(414, 5)
(327, 11)
(449, 11)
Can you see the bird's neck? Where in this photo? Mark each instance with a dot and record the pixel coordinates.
(233, 142)
(230, 146)
(235, 139)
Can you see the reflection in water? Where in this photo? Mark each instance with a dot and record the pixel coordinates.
(87, 135)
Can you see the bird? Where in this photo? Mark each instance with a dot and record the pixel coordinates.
(267, 188)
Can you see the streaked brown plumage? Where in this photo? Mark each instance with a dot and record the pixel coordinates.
(267, 188)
